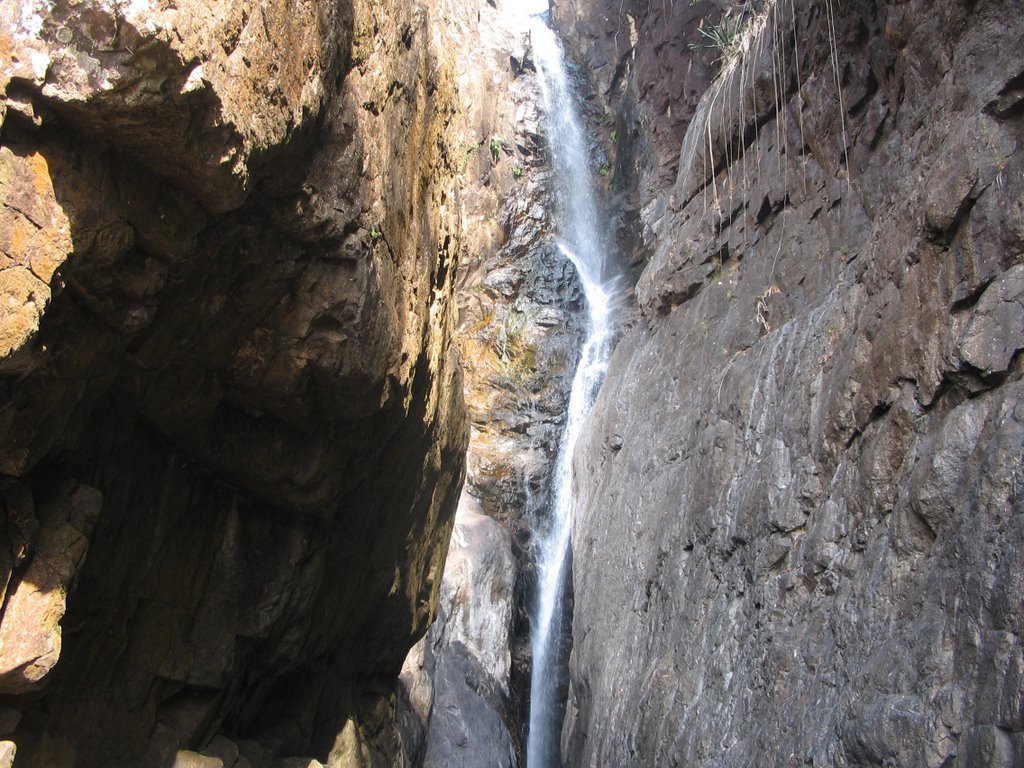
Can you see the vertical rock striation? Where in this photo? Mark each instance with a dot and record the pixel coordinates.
(520, 322)
(801, 534)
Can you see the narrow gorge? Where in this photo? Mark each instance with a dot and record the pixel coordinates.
(475, 383)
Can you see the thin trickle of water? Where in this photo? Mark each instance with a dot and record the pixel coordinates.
(581, 240)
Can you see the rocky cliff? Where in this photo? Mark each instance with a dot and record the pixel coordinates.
(520, 319)
(232, 426)
(800, 540)
(237, 242)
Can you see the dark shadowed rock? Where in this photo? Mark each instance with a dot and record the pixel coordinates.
(228, 245)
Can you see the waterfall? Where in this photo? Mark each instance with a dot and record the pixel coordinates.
(580, 234)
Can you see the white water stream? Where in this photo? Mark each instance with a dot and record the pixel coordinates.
(580, 239)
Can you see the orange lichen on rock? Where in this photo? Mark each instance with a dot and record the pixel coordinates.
(34, 241)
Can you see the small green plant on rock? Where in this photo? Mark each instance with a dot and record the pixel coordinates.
(375, 234)
(517, 171)
(832, 344)
(725, 35)
(514, 347)
(509, 336)
(471, 150)
(605, 169)
(716, 263)
(497, 146)
(721, 37)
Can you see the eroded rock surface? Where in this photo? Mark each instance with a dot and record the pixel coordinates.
(228, 242)
(35, 603)
(801, 534)
(458, 675)
(519, 333)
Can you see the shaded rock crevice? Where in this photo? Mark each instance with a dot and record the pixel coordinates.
(228, 293)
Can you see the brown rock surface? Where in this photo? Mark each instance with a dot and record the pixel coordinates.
(34, 242)
(229, 234)
(30, 633)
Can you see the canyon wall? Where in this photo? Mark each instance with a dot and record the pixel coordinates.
(238, 244)
(521, 312)
(232, 425)
(801, 533)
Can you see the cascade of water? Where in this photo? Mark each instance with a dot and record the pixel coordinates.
(580, 239)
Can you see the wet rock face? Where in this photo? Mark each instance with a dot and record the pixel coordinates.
(457, 676)
(520, 317)
(231, 417)
(800, 538)
(649, 65)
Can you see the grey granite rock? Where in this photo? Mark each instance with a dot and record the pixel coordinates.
(800, 537)
(457, 677)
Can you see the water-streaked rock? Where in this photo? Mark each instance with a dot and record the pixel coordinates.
(800, 541)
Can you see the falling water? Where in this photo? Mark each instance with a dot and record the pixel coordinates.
(580, 239)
